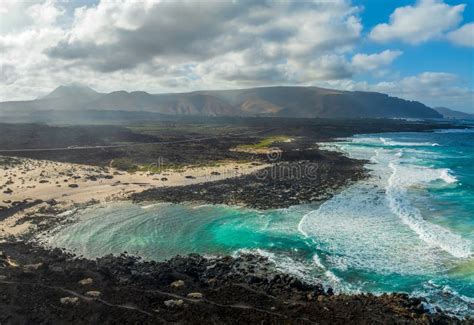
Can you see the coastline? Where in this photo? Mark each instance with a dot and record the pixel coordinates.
(299, 172)
(250, 277)
(54, 286)
(35, 186)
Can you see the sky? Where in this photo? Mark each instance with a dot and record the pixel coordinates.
(414, 49)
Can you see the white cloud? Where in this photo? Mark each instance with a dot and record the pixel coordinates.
(426, 20)
(161, 46)
(32, 28)
(44, 13)
(371, 62)
(431, 88)
(181, 46)
(463, 36)
(109, 37)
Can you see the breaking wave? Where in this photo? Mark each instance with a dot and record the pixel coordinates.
(403, 177)
(391, 143)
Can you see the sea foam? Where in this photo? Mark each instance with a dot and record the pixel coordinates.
(404, 177)
(391, 143)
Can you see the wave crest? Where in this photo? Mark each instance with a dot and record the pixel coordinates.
(396, 191)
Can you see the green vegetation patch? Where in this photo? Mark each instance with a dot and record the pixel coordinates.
(266, 142)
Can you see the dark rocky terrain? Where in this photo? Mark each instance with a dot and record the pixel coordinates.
(300, 173)
(41, 286)
(51, 287)
(188, 141)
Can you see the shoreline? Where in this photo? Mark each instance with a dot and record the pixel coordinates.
(62, 186)
(295, 176)
(250, 278)
(128, 289)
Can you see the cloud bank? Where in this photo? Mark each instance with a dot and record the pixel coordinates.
(161, 46)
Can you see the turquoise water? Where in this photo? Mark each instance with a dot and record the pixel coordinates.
(409, 227)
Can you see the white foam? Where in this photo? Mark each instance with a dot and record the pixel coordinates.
(201, 206)
(403, 177)
(333, 279)
(149, 206)
(317, 262)
(470, 130)
(445, 175)
(159, 204)
(451, 301)
(302, 270)
(391, 143)
(374, 158)
(411, 175)
(358, 229)
(283, 263)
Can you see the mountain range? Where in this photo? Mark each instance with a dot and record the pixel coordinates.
(452, 114)
(303, 102)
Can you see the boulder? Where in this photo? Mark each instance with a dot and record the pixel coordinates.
(177, 284)
(195, 295)
(52, 202)
(93, 294)
(69, 300)
(87, 281)
(173, 303)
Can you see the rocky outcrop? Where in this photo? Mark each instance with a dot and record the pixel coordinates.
(243, 290)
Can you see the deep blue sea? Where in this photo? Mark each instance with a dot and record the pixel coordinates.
(409, 227)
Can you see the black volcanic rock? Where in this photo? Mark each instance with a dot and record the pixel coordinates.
(45, 288)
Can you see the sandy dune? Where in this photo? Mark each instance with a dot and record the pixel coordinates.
(69, 184)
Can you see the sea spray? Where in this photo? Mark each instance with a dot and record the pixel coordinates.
(354, 242)
(398, 182)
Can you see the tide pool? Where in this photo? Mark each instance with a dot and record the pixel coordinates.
(409, 227)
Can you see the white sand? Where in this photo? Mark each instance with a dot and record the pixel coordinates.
(46, 180)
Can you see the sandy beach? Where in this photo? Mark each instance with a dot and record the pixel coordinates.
(41, 192)
(66, 184)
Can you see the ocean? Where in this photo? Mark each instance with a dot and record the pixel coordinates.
(408, 228)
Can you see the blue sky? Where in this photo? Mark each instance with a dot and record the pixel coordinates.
(415, 49)
(434, 55)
